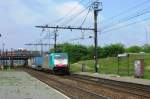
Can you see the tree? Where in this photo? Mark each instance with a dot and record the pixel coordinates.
(101, 52)
(113, 50)
(76, 52)
(146, 48)
(90, 52)
(80, 52)
(134, 49)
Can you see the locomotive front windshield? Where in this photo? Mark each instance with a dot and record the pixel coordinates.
(60, 57)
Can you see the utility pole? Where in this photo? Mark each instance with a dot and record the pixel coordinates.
(55, 40)
(41, 47)
(3, 45)
(96, 7)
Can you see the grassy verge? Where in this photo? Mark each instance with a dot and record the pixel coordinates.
(110, 65)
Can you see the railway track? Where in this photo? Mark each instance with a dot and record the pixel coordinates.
(133, 90)
(85, 87)
(73, 91)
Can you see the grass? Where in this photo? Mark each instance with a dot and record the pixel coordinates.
(110, 65)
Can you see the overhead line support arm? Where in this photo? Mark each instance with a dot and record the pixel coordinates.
(68, 27)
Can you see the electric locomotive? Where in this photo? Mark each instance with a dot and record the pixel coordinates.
(54, 62)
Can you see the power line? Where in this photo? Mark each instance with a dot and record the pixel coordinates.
(146, 19)
(82, 37)
(128, 10)
(130, 18)
(85, 18)
(70, 11)
(137, 14)
(74, 16)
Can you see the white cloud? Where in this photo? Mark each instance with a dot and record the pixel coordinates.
(19, 17)
(18, 12)
(71, 7)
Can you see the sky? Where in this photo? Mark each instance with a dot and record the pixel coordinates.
(18, 19)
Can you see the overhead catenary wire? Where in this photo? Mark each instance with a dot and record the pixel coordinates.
(85, 18)
(128, 19)
(138, 13)
(82, 37)
(126, 25)
(69, 12)
(65, 20)
(74, 16)
(127, 11)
